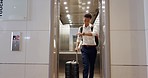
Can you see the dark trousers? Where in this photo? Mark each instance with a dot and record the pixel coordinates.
(88, 58)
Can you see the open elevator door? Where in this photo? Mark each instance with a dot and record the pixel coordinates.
(54, 38)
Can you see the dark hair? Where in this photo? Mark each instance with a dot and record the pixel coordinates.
(88, 15)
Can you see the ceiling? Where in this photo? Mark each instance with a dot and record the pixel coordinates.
(72, 11)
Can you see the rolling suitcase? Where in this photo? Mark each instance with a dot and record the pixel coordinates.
(72, 68)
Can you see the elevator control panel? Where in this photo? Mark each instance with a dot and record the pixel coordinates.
(15, 41)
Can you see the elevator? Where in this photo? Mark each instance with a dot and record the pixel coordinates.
(67, 17)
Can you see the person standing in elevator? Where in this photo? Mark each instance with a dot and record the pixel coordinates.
(88, 46)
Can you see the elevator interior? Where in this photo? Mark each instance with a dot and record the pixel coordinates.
(68, 16)
(71, 17)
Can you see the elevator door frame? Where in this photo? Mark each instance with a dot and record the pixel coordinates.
(54, 53)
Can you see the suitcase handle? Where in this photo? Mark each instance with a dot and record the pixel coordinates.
(76, 56)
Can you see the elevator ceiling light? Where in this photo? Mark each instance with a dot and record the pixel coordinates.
(88, 2)
(103, 2)
(80, 6)
(87, 11)
(66, 7)
(83, 8)
(67, 11)
(87, 7)
(70, 22)
(80, 2)
(83, 3)
(65, 3)
(68, 16)
(55, 3)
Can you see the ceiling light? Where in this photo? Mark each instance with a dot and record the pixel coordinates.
(67, 11)
(87, 7)
(65, 3)
(88, 2)
(103, 7)
(103, 2)
(80, 2)
(87, 11)
(80, 6)
(68, 16)
(66, 7)
(83, 8)
(55, 3)
(83, 3)
(70, 21)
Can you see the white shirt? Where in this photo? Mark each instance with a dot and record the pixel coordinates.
(88, 40)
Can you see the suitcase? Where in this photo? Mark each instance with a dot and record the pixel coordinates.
(72, 68)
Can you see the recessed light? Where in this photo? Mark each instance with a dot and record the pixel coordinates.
(68, 15)
(55, 3)
(67, 11)
(83, 3)
(103, 2)
(83, 8)
(80, 6)
(65, 3)
(70, 21)
(87, 11)
(88, 2)
(80, 2)
(103, 7)
(87, 7)
(66, 7)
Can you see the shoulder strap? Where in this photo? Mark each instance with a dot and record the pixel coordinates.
(92, 28)
(81, 29)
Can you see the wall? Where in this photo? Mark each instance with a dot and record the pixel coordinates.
(146, 24)
(128, 39)
(64, 37)
(33, 58)
(73, 31)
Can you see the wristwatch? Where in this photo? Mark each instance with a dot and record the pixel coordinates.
(83, 33)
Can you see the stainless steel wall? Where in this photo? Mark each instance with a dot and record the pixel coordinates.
(64, 37)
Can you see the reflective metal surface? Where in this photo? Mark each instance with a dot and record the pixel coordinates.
(64, 37)
(105, 39)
